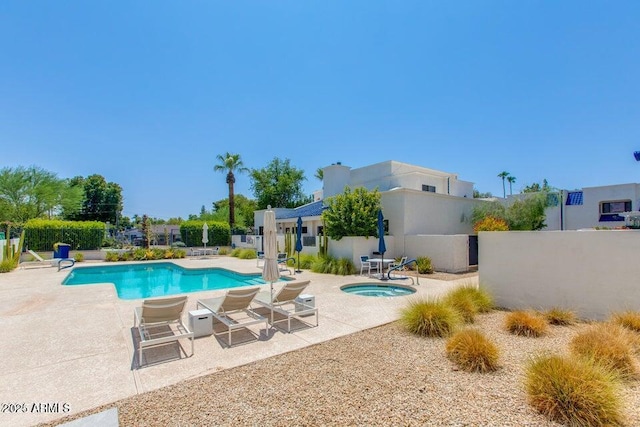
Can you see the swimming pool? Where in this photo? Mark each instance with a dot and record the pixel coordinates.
(133, 281)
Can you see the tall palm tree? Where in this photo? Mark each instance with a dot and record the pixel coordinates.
(511, 180)
(230, 163)
(319, 175)
(503, 175)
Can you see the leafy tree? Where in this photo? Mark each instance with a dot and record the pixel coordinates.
(279, 185)
(102, 200)
(33, 192)
(536, 188)
(525, 214)
(230, 163)
(511, 180)
(319, 175)
(478, 195)
(352, 213)
(503, 175)
(244, 209)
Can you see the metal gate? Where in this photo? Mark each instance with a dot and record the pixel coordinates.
(473, 250)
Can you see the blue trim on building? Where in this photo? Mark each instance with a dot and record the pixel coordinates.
(574, 198)
(311, 209)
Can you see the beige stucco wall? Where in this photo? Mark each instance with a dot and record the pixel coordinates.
(448, 253)
(592, 272)
(354, 247)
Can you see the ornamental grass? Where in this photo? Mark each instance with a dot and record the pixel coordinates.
(430, 318)
(574, 391)
(472, 351)
(526, 323)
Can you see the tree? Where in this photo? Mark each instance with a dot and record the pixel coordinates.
(33, 192)
(244, 209)
(478, 195)
(230, 163)
(352, 213)
(535, 187)
(527, 213)
(279, 185)
(511, 180)
(503, 175)
(319, 175)
(102, 200)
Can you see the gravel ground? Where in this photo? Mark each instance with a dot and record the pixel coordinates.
(382, 376)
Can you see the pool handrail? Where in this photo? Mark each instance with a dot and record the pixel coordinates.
(399, 266)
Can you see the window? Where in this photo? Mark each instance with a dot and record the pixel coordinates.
(429, 188)
(304, 230)
(609, 211)
(574, 198)
(320, 230)
(615, 207)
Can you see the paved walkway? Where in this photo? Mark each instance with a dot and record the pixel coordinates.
(70, 348)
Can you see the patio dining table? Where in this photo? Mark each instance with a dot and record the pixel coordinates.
(384, 261)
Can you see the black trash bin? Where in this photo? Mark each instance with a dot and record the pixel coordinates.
(62, 251)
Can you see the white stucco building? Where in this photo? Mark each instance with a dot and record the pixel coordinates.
(609, 206)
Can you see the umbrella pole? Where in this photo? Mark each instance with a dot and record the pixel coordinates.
(382, 267)
(298, 270)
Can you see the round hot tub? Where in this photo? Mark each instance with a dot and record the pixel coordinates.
(377, 290)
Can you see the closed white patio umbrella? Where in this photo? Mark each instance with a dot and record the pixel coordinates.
(205, 234)
(270, 271)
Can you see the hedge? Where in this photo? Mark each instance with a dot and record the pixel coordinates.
(219, 233)
(41, 234)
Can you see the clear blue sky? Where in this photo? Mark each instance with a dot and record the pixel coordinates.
(148, 93)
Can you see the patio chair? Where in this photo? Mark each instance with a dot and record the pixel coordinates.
(282, 263)
(159, 322)
(365, 264)
(284, 302)
(234, 309)
(396, 264)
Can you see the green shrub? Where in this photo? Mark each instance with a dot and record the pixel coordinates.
(526, 324)
(560, 317)
(41, 234)
(610, 345)
(236, 252)
(430, 318)
(627, 319)
(574, 392)
(112, 257)
(7, 265)
(79, 257)
(423, 264)
(247, 254)
(329, 265)
(219, 233)
(306, 261)
(125, 256)
(480, 297)
(179, 253)
(472, 351)
(223, 251)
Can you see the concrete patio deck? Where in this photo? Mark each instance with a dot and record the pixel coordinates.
(71, 348)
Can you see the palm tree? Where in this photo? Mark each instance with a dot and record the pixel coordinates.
(230, 163)
(503, 175)
(319, 175)
(511, 180)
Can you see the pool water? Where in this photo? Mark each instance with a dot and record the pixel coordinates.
(378, 290)
(133, 281)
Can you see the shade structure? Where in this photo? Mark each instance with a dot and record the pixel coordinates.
(270, 271)
(382, 247)
(205, 234)
(299, 242)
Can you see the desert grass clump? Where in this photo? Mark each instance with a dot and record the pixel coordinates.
(628, 319)
(573, 392)
(472, 351)
(560, 317)
(463, 304)
(247, 254)
(610, 345)
(430, 318)
(526, 323)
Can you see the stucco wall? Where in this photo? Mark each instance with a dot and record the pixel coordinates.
(354, 247)
(447, 253)
(591, 272)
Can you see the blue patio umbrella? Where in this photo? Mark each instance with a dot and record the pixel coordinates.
(382, 248)
(299, 242)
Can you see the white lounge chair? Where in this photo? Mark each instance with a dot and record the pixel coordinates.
(234, 309)
(284, 302)
(159, 322)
